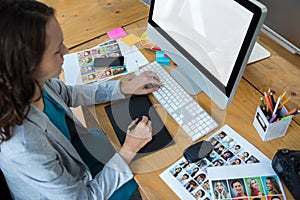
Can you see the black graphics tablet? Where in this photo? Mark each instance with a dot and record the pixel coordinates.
(123, 112)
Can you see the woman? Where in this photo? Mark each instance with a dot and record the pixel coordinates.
(194, 171)
(199, 194)
(206, 187)
(244, 155)
(272, 185)
(42, 155)
(220, 191)
(236, 162)
(191, 185)
(238, 188)
(227, 155)
(254, 188)
(200, 178)
(176, 171)
(184, 177)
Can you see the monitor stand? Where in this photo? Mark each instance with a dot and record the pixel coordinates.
(258, 53)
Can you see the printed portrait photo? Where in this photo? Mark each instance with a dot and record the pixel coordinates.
(220, 189)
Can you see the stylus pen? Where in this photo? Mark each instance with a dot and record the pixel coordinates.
(131, 128)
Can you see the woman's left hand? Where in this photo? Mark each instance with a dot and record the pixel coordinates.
(137, 85)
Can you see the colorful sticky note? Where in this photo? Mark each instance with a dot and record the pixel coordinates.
(130, 39)
(162, 58)
(116, 33)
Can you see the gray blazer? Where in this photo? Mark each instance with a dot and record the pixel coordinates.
(40, 163)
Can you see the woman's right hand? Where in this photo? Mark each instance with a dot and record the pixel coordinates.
(136, 138)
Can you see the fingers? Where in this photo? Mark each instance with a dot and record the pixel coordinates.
(141, 130)
(151, 74)
(149, 123)
(146, 121)
(137, 138)
(152, 77)
(146, 125)
(143, 122)
(138, 85)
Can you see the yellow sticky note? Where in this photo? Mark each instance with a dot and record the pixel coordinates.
(130, 39)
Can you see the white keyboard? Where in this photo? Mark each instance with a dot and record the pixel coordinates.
(189, 115)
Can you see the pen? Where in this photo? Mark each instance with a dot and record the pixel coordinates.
(283, 103)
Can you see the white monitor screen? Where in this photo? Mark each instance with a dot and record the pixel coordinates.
(216, 47)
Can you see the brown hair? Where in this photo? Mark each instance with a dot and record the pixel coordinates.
(275, 185)
(23, 43)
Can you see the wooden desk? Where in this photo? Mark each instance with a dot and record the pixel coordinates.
(280, 72)
(83, 21)
(85, 24)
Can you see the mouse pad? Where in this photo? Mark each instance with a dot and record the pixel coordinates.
(123, 112)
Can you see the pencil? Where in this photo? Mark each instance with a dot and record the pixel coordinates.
(292, 112)
(268, 102)
(283, 94)
(285, 101)
(262, 102)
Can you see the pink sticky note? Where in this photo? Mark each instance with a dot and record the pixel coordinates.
(116, 33)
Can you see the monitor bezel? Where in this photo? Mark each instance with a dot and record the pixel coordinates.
(240, 61)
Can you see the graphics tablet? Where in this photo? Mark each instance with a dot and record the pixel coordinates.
(123, 112)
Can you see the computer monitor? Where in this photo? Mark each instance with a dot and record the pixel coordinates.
(209, 40)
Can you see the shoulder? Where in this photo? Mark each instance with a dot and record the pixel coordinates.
(55, 85)
(30, 148)
(26, 139)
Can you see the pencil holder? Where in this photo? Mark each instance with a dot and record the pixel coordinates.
(268, 131)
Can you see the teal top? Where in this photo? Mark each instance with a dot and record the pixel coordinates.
(55, 113)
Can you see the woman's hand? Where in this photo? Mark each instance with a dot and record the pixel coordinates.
(138, 83)
(136, 138)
